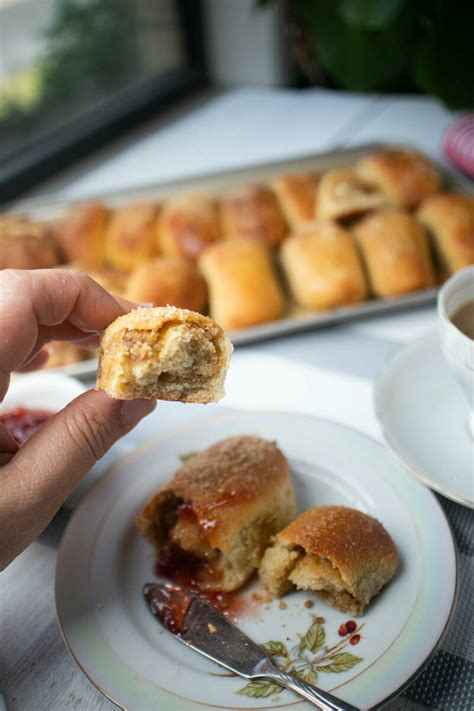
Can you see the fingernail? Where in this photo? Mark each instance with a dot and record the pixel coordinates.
(135, 410)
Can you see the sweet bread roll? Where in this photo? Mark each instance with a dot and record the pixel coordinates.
(130, 237)
(243, 288)
(61, 353)
(323, 267)
(342, 193)
(296, 193)
(109, 279)
(395, 250)
(213, 520)
(164, 354)
(25, 244)
(168, 280)
(449, 220)
(81, 234)
(187, 224)
(404, 177)
(344, 555)
(252, 211)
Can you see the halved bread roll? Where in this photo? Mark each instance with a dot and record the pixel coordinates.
(449, 219)
(342, 193)
(164, 354)
(344, 555)
(252, 211)
(167, 281)
(188, 224)
(218, 512)
(81, 234)
(296, 193)
(130, 237)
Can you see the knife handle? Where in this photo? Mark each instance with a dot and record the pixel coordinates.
(322, 699)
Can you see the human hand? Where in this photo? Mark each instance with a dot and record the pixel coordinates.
(37, 307)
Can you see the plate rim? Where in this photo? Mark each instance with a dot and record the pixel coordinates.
(408, 464)
(232, 414)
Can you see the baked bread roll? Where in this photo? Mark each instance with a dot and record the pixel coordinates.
(168, 280)
(342, 554)
(396, 254)
(323, 267)
(243, 288)
(449, 220)
(25, 244)
(187, 224)
(252, 211)
(404, 177)
(81, 234)
(164, 354)
(61, 353)
(130, 237)
(342, 193)
(296, 194)
(218, 512)
(109, 279)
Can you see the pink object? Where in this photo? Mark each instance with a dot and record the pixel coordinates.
(458, 145)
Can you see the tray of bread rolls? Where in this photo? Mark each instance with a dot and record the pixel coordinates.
(266, 250)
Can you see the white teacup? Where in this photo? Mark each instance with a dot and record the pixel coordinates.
(458, 348)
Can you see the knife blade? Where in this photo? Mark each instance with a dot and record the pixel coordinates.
(199, 626)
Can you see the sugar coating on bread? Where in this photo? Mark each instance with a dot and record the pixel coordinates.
(166, 354)
(341, 553)
(237, 494)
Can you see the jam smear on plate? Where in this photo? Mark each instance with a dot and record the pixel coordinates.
(23, 422)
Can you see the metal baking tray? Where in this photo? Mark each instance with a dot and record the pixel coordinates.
(51, 208)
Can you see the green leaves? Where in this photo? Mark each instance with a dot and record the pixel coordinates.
(260, 689)
(340, 663)
(275, 649)
(308, 674)
(314, 638)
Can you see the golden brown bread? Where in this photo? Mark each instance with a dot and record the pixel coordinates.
(252, 211)
(130, 237)
(165, 354)
(167, 281)
(323, 267)
(344, 555)
(404, 177)
(342, 193)
(296, 193)
(449, 219)
(396, 254)
(61, 353)
(81, 234)
(109, 279)
(243, 288)
(25, 244)
(187, 225)
(222, 506)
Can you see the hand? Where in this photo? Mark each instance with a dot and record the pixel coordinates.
(37, 307)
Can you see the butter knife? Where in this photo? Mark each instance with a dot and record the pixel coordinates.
(201, 627)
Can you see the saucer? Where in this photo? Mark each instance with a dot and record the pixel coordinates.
(423, 415)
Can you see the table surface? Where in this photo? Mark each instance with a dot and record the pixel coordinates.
(237, 128)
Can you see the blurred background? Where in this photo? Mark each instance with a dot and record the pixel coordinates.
(75, 74)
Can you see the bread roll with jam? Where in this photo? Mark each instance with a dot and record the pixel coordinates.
(187, 225)
(164, 354)
(296, 193)
(449, 219)
(342, 554)
(214, 519)
(243, 288)
(130, 237)
(342, 194)
(252, 211)
(396, 253)
(323, 267)
(81, 234)
(167, 281)
(26, 244)
(404, 177)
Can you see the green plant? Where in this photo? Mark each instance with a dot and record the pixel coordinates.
(371, 45)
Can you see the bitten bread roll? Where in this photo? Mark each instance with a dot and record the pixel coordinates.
(296, 193)
(252, 211)
(25, 244)
(323, 267)
(404, 177)
(213, 520)
(395, 249)
(164, 354)
(344, 555)
(449, 220)
(130, 237)
(342, 193)
(81, 234)
(168, 281)
(243, 289)
(187, 225)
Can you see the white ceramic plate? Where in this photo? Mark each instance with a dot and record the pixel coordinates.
(103, 563)
(423, 414)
